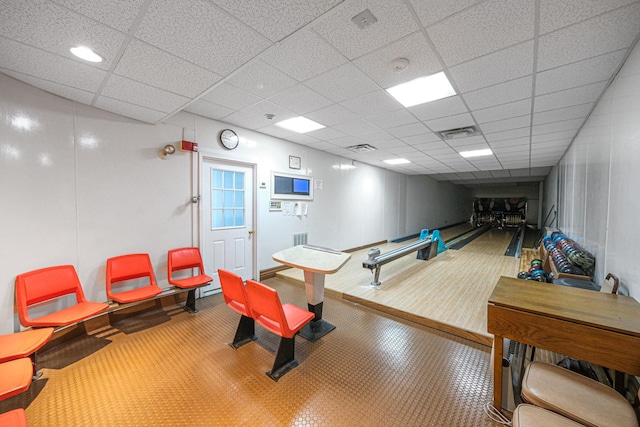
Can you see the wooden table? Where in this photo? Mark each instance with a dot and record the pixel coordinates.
(316, 262)
(597, 327)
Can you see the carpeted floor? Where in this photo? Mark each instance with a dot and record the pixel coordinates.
(170, 368)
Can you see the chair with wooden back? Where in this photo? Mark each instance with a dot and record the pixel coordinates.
(235, 296)
(130, 267)
(46, 285)
(285, 320)
(186, 259)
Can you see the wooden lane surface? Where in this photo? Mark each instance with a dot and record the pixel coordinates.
(448, 292)
(493, 242)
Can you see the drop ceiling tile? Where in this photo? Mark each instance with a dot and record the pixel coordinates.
(422, 61)
(208, 109)
(482, 174)
(207, 36)
(450, 122)
(137, 93)
(423, 138)
(507, 134)
(504, 111)
(313, 56)
(557, 126)
(403, 151)
(393, 119)
(356, 127)
(512, 142)
(557, 14)
(24, 22)
(441, 108)
(569, 97)
(276, 19)
(137, 112)
(444, 153)
(482, 29)
(574, 112)
(253, 117)
(276, 131)
(321, 145)
(388, 144)
(372, 104)
(563, 143)
(543, 162)
(540, 171)
(394, 21)
(502, 93)
(154, 67)
(118, 14)
(408, 130)
(347, 141)
(375, 136)
(468, 141)
(52, 87)
(303, 139)
(231, 97)
(332, 115)
(300, 99)
(500, 173)
(504, 65)
(506, 124)
(261, 79)
(592, 70)
(514, 150)
(326, 134)
(431, 11)
(605, 33)
(342, 83)
(555, 136)
(520, 172)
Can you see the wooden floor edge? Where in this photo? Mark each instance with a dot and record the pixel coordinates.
(485, 340)
(443, 327)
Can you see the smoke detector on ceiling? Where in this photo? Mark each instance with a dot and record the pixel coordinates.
(459, 132)
(399, 65)
(364, 19)
(362, 148)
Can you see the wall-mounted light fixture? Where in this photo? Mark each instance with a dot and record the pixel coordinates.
(168, 149)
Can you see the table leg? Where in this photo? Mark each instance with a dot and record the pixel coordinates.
(318, 327)
(497, 372)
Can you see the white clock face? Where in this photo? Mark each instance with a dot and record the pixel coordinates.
(229, 139)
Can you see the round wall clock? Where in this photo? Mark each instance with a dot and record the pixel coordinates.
(229, 139)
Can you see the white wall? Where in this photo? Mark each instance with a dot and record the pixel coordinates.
(598, 181)
(82, 185)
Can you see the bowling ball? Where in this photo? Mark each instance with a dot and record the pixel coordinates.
(536, 261)
(523, 275)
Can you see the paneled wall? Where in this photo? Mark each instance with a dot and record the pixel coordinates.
(598, 181)
(80, 185)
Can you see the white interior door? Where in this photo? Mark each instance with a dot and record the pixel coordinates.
(227, 220)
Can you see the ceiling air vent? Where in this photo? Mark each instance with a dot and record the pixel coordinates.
(362, 148)
(459, 132)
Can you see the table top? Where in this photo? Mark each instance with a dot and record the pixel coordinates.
(617, 313)
(310, 258)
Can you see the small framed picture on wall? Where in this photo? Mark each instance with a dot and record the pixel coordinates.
(294, 162)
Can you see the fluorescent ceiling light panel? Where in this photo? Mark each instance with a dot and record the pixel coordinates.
(85, 53)
(476, 153)
(397, 161)
(422, 89)
(299, 124)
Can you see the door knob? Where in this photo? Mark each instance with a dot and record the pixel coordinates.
(250, 231)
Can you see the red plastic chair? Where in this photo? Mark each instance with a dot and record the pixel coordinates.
(24, 344)
(235, 296)
(50, 283)
(129, 267)
(183, 259)
(281, 319)
(15, 377)
(15, 418)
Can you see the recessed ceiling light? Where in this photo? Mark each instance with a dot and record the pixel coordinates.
(397, 161)
(85, 53)
(422, 89)
(476, 153)
(300, 124)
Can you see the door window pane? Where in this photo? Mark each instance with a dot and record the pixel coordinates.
(227, 199)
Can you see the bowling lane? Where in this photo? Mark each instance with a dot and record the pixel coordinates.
(493, 242)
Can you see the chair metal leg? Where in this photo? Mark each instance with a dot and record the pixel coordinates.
(190, 306)
(245, 333)
(36, 374)
(284, 358)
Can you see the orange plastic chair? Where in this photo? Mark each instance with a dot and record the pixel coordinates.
(281, 319)
(130, 267)
(24, 344)
(50, 283)
(235, 296)
(183, 259)
(15, 377)
(15, 418)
